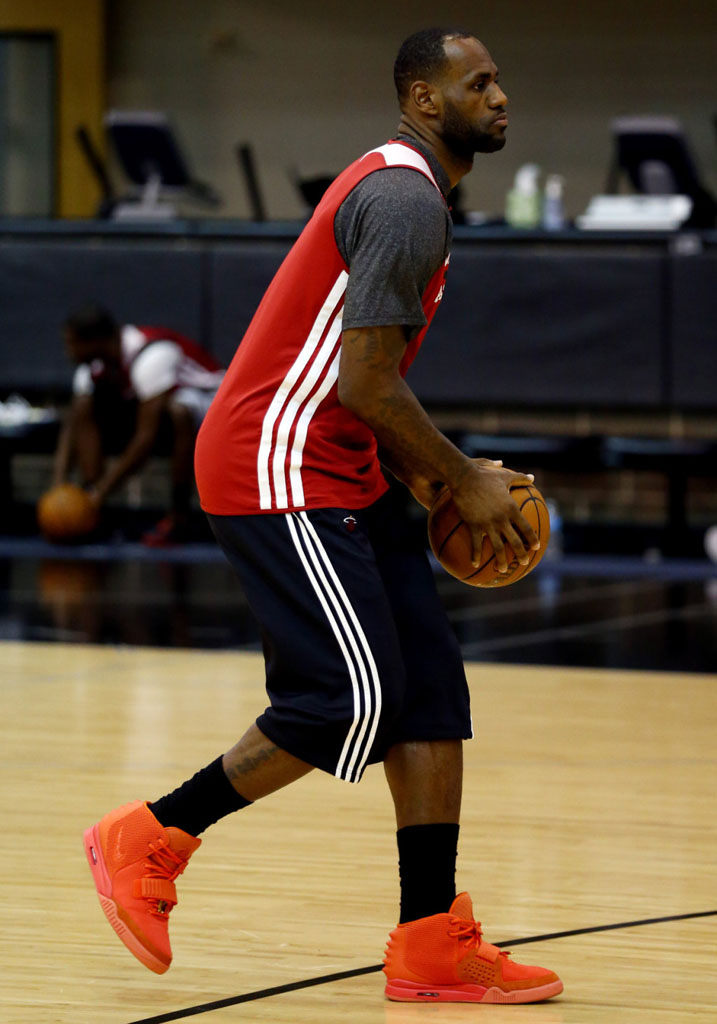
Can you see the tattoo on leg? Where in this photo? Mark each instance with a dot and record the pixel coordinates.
(249, 763)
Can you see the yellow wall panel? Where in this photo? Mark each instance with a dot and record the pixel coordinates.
(79, 31)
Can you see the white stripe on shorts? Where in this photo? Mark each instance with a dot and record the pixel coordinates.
(352, 641)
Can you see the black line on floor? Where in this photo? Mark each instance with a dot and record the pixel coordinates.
(263, 993)
(597, 928)
(260, 994)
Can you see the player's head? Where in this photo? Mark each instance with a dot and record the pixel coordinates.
(91, 333)
(447, 81)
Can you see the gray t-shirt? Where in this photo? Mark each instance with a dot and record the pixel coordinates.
(394, 231)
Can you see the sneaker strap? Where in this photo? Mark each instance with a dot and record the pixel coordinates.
(149, 888)
(488, 952)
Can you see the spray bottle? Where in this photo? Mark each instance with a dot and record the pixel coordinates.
(522, 204)
(553, 209)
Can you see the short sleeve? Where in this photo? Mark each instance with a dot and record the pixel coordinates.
(156, 369)
(393, 231)
(82, 383)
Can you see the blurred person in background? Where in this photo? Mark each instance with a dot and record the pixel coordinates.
(134, 387)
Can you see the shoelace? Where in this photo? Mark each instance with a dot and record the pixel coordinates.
(163, 863)
(465, 929)
(471, 931)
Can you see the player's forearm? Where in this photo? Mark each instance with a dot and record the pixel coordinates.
(479, 488)
(134, 456)
(424, 490)
(63, 453)
(411, 445)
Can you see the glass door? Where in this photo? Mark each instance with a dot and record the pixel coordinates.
(27, 124)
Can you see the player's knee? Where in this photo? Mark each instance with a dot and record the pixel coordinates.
(180, 414)
(386, 711)
(372, 716)
(392, 692)
(369, 736)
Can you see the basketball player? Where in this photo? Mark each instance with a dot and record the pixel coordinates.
(134, 380)
(361, 664)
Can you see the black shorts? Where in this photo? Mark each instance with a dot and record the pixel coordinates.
(358, 649)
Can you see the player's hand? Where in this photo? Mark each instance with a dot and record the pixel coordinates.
(95, 497)
(484, 501)
(425, 491)
(423, 488)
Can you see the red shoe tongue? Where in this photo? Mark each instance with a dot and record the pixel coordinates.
(182, 843)
(462, 906)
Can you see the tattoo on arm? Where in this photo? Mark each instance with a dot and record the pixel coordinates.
(374, 389)
(371, 346)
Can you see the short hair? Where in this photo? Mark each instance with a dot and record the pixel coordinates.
(423, 56)
(91, 323)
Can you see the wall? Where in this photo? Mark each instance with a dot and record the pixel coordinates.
(309, 84)
(27, 129)
(626, 323)
(78, 29)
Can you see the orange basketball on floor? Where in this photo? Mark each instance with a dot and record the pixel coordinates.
(65, 512)
(450, 540)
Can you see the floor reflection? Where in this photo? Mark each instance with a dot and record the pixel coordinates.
(588, 618)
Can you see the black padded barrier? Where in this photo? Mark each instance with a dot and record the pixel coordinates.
(41, 283)
(238, 275)
(527, 320)
(528, 328)
(692, 370)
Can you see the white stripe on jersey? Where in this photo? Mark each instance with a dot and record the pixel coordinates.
(284, 390)
(395, 154)
(302, 427)
(371, 684)
(293, 407)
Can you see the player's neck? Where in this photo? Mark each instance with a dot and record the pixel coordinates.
(455, 166)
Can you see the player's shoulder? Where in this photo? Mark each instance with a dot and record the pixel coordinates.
(156, 357)
(399, 195)
(399, 183)
(137, 345)
(131, 336)
(392, 207)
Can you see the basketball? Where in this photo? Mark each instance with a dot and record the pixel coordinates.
(66, 513)
(450, 540)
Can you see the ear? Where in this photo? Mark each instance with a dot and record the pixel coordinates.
(425, 98)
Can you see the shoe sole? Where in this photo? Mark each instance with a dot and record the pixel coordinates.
(103, 885)
(410, 992)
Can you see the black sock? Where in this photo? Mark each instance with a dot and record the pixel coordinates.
(198, 803)
(427, 868)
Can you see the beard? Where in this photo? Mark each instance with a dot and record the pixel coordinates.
(464, 137)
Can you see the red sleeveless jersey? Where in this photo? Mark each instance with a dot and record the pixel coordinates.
(276, 438)
(191, 349)
(197, 368)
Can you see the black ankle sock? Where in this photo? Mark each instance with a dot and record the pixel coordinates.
(199, 802)
(427, 868)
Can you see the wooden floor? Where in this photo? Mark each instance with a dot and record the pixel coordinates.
(590, 800)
